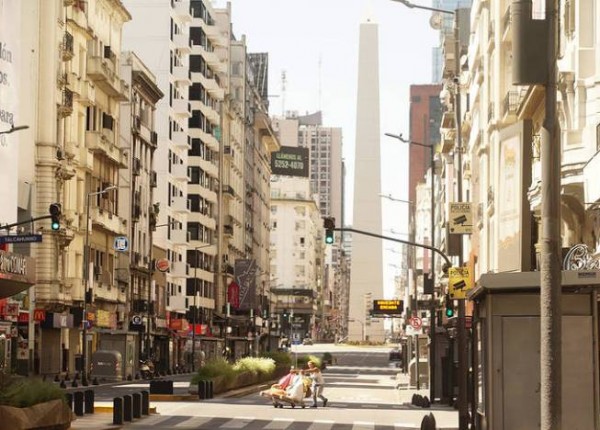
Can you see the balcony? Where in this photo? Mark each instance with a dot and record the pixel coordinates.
(209, 140)
(211, 58)
(228, 191)
(179, 269)
(182, 75)
(66, 47)
(87, 93)
(182, 42)
(179, 237)
(212, 32)
(65, 109)
(182, 10)
(510, 105)
(107, 220)
(99, 142)
(228, 230)
(211, 86)
(180, 172)
(210, 114)
(180, 204)
(182, 108)
(101, 71)
(181, 140)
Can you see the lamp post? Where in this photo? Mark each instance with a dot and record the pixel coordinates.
(86, 274)
(195, 313)
(432, 313)
(463, 413)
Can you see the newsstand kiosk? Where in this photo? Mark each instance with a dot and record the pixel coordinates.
(506, 350)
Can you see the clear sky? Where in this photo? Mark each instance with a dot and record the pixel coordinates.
(316, 43)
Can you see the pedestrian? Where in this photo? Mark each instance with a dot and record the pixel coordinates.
(318, 384)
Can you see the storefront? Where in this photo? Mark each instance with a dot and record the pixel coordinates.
(17, 274)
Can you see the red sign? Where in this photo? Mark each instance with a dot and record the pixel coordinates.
(179, 324)
(200, 330)
(23, 317)
(39, 315)
(162, 265)
(233, 295)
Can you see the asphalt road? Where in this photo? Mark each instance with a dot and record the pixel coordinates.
(361, 388)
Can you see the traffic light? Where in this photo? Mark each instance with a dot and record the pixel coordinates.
(329, 224)
(55, 211)
(285, 313)
(449, 307)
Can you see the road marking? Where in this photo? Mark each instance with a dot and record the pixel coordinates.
(194, 422)
(363, 425)
(156, 419)
(321, 425)
(280, 423)
(237, 423)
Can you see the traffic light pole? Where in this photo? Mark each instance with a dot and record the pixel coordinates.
(29, 221)
(393, 239)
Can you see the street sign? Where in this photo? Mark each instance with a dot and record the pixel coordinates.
(411, 331)
(459, 282)
(121, 243)
(461, 218)
(416, 322)
(26, 238)
(388, 307)
(136, 320)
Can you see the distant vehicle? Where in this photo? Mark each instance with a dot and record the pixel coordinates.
(395, 355)
(307, 341)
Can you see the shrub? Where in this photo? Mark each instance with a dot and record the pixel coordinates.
(281, 358)
(304, 359)
(28, 392)
(212, 369)
(256, 365)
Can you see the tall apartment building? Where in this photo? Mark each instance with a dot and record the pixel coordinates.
(138, 181)
(160, 36)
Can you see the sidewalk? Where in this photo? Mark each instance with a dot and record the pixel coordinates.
(103, 420)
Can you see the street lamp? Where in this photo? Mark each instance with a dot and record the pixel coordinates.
(432, 313)
(12, 129)
(463, 413)
(86, 274)
(195, 313)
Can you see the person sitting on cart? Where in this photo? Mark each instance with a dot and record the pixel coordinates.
(283, 383)
(295, 391)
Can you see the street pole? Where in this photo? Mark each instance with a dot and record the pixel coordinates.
(86, 274)
(550, 273)
(432, 319)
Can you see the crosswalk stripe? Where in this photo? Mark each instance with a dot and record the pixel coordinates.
(279, 424)
(237, 423)
(155, 419)
(194, 422)
(321, 425)
(363, 425)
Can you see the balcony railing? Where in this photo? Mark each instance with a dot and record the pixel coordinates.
(510, 104)
(67, 47)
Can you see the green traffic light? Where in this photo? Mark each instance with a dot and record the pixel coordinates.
(449, 312)
(329, 240)
(55, 226)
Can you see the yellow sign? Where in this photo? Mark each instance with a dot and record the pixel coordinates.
(459, 282)
(461, 218)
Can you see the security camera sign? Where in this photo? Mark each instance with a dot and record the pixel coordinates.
(459, 282)
(461, 218)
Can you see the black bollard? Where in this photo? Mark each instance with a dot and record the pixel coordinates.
(129, 378)
(63, 384)
(145, 403)
(95, 382)
(78, 403)
(67, 378)
(137, 405)
(118, 411)
(74, 384)
(127, 407)
(413, 400)
(77, 377)
(209, 389)
(202, 389)
(56, 378)
(89, 401)
(69, 397)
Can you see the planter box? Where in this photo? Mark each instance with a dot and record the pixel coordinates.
(53, 415)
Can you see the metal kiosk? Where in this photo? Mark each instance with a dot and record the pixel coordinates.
(506, 350)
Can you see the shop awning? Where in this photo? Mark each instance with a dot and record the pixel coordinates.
(17, 273)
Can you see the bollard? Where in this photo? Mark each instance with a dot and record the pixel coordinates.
(426, 403)
(145, 403)
(89, 401)
(95, 381)
(69, 397)
(118, 411)
(209, 389)
(63, 384)
(56, 378)
(137, 405)
(426, 423)
(78, 403)
(202, 385)
(127, 407)
(74, 384)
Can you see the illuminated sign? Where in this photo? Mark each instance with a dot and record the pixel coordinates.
(388, 307)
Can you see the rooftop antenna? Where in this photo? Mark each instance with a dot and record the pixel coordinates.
(319, 89)
(283, 85)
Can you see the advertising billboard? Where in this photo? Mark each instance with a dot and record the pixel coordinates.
(290, 161)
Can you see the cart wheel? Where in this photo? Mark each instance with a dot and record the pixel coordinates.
(293, 406)
(281, 406)
(303, 406)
